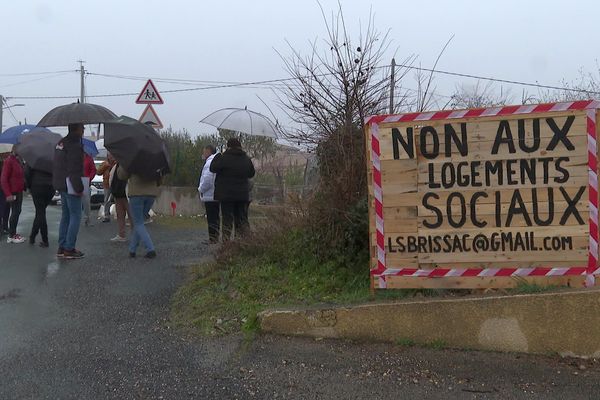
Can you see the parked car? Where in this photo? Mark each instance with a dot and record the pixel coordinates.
(56, 198)
(97, 189)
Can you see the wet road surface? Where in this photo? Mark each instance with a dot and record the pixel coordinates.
(98, 329)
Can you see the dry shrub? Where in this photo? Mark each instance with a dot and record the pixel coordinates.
(268, 234)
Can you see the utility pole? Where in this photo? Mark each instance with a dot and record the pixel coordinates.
(82, 94)
(1, 107)
(392, 85)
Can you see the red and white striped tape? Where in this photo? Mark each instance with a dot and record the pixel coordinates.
(381, 271)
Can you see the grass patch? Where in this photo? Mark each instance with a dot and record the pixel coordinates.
(191, 222)
(437, 344)
(226, 295)
(525, 287)
(406, 342)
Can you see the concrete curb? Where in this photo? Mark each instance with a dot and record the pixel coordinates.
(567, 323)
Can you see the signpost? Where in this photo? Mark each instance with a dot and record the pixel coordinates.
(150, 95)
(150, 116)
(484, 197)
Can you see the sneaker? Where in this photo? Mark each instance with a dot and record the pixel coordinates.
(118, 238)
(44, 244)
(150, 254)
(60, 253)
(73, 254)
(15, 239)
(148, 221)
(106, 220)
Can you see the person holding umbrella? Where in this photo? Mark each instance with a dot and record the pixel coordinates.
(13, 184)
(39, 183)
(142, 192)
(234, 169)
(143, 160)
(36, 148)
(67, 179)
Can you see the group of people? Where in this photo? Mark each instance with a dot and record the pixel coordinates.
(71, 175)
(224, 188)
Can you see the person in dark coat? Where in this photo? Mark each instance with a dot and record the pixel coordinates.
(233, 168)
(40, 186)
(68, 166)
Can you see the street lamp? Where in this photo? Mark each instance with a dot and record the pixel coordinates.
(2, 101)
(14, 105)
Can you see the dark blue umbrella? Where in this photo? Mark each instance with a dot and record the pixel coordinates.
(11, 135)
(89, 146)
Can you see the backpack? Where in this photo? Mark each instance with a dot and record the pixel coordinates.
(118, 186)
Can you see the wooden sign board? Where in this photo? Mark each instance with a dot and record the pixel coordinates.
(484, 197)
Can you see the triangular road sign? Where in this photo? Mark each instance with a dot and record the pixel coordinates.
(149, 116)
(149, 94)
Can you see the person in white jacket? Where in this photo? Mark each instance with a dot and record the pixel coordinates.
(206, 189)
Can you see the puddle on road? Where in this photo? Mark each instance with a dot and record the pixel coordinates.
(52, 269)
(11, 294)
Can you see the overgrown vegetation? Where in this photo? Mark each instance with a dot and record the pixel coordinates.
(186, 152)
(226, 295)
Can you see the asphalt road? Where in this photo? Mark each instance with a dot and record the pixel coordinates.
(98, 329)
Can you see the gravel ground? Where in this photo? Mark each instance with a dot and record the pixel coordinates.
(98, 329)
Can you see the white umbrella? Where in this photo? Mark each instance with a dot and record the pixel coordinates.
(242, 120)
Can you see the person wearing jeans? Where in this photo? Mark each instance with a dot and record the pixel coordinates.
(142, 193)
(67, 179)
(69, 224)
(12, 181)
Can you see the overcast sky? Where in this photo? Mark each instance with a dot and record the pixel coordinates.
(543, 41)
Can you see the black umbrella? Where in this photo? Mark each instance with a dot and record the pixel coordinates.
(77, 113)
(37, 148)
(137, 147)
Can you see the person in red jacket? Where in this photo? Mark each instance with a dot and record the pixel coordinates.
(13, 184)
(89, 171)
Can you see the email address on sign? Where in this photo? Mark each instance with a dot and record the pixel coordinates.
(497, 241)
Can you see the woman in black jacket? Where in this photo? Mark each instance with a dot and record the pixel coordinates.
(232, 189)
(40, 186)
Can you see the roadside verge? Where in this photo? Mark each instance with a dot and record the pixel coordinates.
(567, 323)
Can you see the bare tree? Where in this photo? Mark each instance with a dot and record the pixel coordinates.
(338, 84)
(478, 95)
(585, 86)
(335, 87)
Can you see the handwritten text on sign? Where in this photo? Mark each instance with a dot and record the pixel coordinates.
(494, 175)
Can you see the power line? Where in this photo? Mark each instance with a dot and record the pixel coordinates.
(508, 81)
(38, 73)
(224, 84)
(35, 80)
